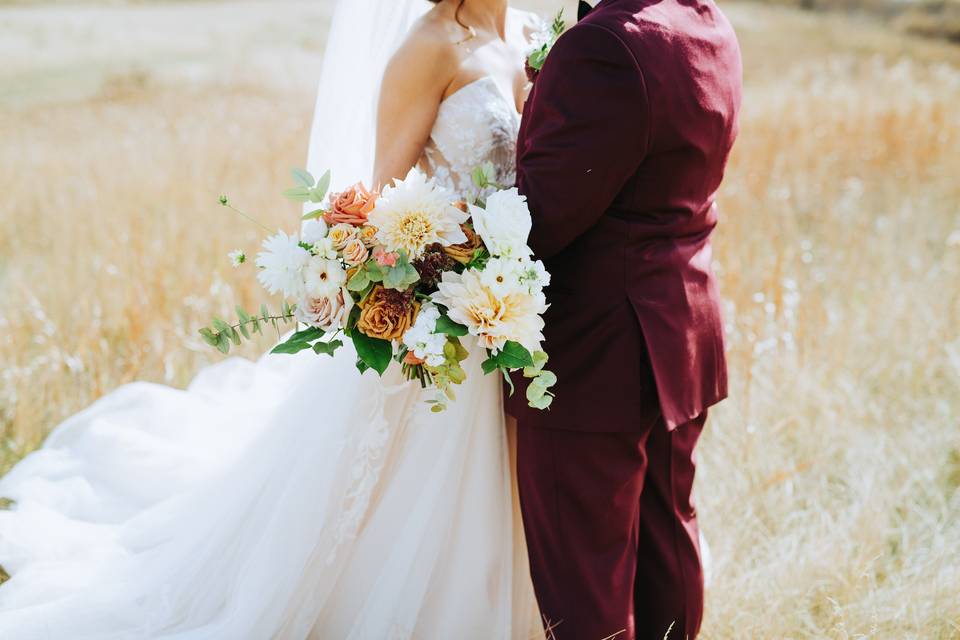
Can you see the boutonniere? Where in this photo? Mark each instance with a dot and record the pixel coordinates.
(543, 42)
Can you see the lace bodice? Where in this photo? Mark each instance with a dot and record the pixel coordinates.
(475, 125)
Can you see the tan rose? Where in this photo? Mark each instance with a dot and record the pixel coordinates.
(355, 253)
(387, 313)
(351, 206)
(326, 313)
(341, 234)
(463, 253)
(368, 234)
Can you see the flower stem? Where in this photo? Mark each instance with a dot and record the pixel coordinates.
(226, 203)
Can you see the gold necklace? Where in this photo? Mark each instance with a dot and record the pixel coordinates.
(471, 34)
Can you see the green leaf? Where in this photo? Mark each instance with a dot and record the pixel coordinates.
(302, 177)
(490, 365)
(514, 356)
(297, 194)
(542, 402)
(447, 326)
(307, 335)
(265, 313)
(291, 346)
(374, 271)
(234, 336)
(509, 381)
(319, 192)
(327, 348)
(243, 315)
(547, 379)
(221, 326)
(242, 327)
(401, 275)
(223, 343)
(375, 353)
(359, 281)
(209, 337)
(315, 214)
(362, 366)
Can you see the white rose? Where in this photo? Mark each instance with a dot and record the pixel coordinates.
(504, 225)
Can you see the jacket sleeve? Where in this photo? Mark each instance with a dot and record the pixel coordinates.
(586, 131)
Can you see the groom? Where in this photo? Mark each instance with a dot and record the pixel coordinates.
(623, 146)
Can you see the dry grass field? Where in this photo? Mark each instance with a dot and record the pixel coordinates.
(830, 483)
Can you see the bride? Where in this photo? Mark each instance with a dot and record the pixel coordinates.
(293, 497)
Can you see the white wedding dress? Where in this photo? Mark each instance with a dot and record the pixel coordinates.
(290, 498)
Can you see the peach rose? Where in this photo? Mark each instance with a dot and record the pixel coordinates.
(341, 234)
(351, 206)
(355, 253)
(463, 252)
(368, 233)
(387, 314)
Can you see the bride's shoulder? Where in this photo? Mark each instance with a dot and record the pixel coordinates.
(428, 53)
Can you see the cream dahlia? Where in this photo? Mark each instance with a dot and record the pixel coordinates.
(494, 318)
(415, 213)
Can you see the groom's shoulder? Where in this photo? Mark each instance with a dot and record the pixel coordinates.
(644, 26)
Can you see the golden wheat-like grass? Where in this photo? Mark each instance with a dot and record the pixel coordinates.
(830, 481)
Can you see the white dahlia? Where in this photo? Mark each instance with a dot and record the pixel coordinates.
(494, 319)
(281, 264)
(415, 213)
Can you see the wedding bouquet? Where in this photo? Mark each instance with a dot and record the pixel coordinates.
(406, 275)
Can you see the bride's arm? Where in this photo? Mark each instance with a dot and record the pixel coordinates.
(413, 87)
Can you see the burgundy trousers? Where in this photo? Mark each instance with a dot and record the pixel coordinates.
(612, 531)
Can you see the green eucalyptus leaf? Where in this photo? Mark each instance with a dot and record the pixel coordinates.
(209, 337)
(302, 177)
(359, 281)
(542, 402)
(314, 215)
(547, 378)
(297, 194)
(319, 192)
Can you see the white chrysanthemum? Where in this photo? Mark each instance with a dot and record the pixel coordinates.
(281, 265)
(421, 339)
(495, 320)
(414, 214)
(237, 258)
(313, 231)
(504, 224)
(324, 277)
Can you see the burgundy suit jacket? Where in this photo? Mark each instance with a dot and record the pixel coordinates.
(622, 148)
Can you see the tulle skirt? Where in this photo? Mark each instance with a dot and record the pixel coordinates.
(289, 498)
